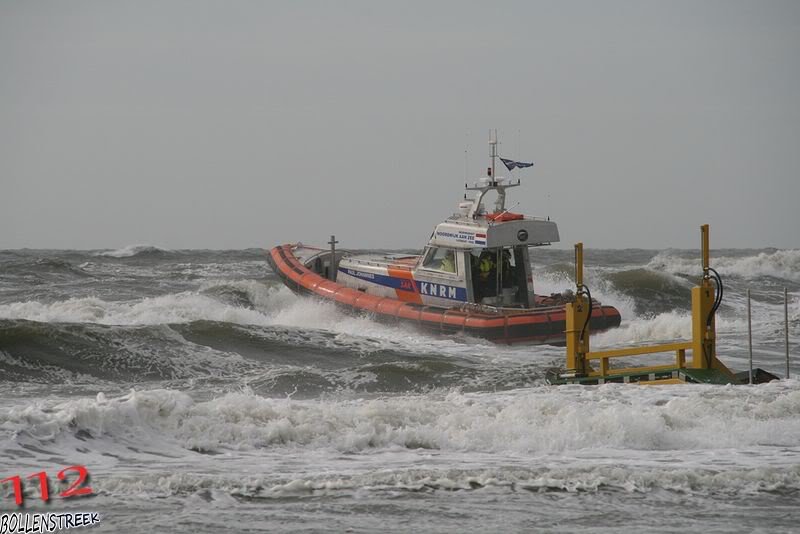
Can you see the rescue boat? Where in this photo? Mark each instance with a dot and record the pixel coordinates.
(474, 276)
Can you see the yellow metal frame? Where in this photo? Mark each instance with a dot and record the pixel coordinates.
(679, 349)
(702, 345)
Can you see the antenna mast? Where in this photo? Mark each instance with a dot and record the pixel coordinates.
(466, 164)
(484, 187)
(493, 144)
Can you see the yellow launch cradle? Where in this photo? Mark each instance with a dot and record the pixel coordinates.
(702, 367)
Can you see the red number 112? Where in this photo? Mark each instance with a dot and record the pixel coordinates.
(78, 487)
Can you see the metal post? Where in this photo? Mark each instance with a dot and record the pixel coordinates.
(704, 247)
(704, 332)
(332, 269)
(786, 326)
(498, 278)
(750, 336)
(576, 315)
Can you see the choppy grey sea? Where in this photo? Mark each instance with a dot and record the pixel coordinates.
(201, 396)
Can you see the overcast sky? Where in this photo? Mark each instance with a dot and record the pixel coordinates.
(247, 124)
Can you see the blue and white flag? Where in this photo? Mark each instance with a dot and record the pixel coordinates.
(511, 164)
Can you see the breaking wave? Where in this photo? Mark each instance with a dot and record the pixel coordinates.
(580, 479)
(181, 307)
(537, 421)
(653, 292)
(272, 360)
(247, 304)
(783, 264)
(133, 250)
(664, 327)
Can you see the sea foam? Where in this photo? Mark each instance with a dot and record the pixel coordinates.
(778, 264)
(130, 251)
(543, 420)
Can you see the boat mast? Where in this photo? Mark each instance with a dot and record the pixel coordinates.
(493, 144)
(483, 187)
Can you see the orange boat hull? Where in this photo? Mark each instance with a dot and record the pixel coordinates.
(544, 324)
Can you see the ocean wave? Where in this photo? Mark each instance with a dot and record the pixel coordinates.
(577, 479)
(652, 291)
(166, 309)
(543, 420)
(549, 282)
(43, 268)
(133, 250)
(399, 375)
(253, 318)
(71, 353)
(663, 327)
(783, 264)
(55, 265)
(269, 360)
(244, 303)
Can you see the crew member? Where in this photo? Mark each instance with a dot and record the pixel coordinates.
(449, 262)
(506, 263)
(486, 270)
(486, 265)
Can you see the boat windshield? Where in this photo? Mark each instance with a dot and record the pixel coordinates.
(440, 259)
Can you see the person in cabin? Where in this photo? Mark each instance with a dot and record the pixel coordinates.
(486, 269)
(449, 262)
(508, 280)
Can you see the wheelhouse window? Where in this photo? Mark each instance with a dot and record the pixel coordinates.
(499, 276)
(440, 259)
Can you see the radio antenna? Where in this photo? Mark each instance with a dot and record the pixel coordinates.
(466, 164)
(493, 144)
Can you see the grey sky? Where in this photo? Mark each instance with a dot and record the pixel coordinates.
(236, 124)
